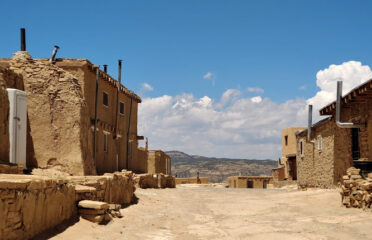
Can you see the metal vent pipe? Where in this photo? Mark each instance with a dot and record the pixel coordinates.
(309, 122)
(23, 39)
(53, 57)
(338, 110)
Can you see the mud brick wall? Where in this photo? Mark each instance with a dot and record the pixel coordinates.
(32, 204)
(115, 187)
(57, 112)
(203, 180)
(8, 79)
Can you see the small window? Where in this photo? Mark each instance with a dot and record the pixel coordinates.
(320, 142)
(286, 140)
(302, 148)
(105, 142)
(121, 108)
(105, 99)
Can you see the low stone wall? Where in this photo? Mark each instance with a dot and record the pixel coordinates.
(355, 191)
(155, 181)
(203, 180)
(115, 187)
(32, 204)
(10, 168)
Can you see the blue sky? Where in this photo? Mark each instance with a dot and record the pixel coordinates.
(277, 46)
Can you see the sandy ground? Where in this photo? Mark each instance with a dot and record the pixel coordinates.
(199, 212)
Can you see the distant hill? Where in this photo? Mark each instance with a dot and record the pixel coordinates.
(218, 169)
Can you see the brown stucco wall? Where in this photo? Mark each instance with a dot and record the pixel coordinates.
(56, 113)
(157, 162)
(242, 181)
(8, 79)
(140, 164)
(107, 161)
(288, 149)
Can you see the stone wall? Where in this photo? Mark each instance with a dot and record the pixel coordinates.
(32, 204)
(158, 162)
(316, 168)
(139, 165)
(155, 181)
(115, 187)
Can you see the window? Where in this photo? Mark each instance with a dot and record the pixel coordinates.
(105, 142)
(286, 140)
(121, 108)
(320, 142)
(302, 148)
(355, 148)
(105, 99)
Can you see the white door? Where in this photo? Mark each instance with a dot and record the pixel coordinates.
(21, 130)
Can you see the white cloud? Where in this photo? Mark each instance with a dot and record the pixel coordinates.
(208, 75)
(256, 99)
(233, 127)
(147, 87)
(255, 89)
(352, 74)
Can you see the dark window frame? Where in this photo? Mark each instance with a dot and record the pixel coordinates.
(105, 96)
(120, 108)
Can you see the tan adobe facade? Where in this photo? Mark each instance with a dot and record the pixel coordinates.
(159, 162)
(288, 160)
(331, 149)
(61, 107)
(192, 180)
(249, 181)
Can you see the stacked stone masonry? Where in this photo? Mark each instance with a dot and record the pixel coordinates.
(355, 191)
(31, 204)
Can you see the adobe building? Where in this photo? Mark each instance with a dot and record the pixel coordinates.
(341, 140)
(249, 181)
(151, 161)
(61, 115)
(287, 165)
(192, 180)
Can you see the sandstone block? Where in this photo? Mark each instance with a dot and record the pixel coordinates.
(93, 218)
(88, 211)
(93, 204)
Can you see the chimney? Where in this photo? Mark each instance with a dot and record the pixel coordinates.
(309, 122)
(338, 110)
(105, 68)
(23, 39)
(53, 57)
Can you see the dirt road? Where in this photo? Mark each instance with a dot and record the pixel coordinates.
(197, 212)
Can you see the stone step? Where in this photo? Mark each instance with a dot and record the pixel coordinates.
(93, 204)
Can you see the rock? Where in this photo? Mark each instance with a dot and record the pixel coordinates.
(93, 204)
(88, 211)
(114, 206)
(93, 218)
(84, 189)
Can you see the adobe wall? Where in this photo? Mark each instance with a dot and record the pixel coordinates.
(342, 153)
(107, 161)
(316, 168)
(203, 180)
(56, 113)
(157, 162)
(242, 181)
(290, 148)
(32, 204)
(140, 164)
(8, 79)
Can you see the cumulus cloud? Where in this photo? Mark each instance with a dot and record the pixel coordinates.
(352, 74)
(255, 89)
(234, 126)
(256, 99)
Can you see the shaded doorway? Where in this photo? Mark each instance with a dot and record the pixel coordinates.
(249, 184)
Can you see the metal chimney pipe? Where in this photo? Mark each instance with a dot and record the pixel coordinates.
(309, 122)
(105, 68)
(53, 57)
(23, 39)
(338, 110)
